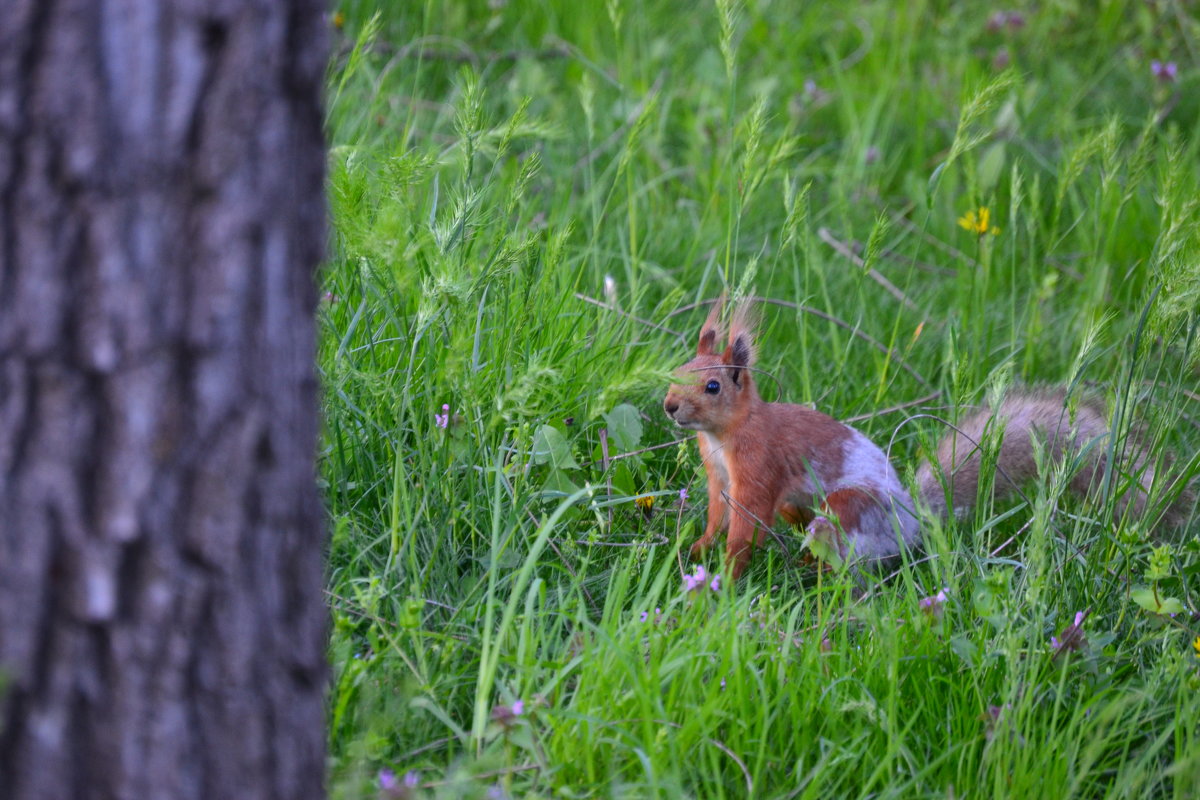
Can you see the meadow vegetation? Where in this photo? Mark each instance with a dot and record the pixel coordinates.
(532, 201)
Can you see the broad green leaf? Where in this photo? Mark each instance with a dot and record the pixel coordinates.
(557, 481)
(551, 447)
(622, 479)
(965, 649)
(624, 427)
(1146, 598)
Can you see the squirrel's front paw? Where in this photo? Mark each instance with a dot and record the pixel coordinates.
(699, 548)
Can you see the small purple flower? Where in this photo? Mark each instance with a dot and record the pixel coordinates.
(683, 495)
(933, 605)
(645, 616)
(387, 780)
(692, 583)
(1072, 637)
(507, 716)
(412, 779)
(1013, 20)
(443, 419)
(700, 579)
(1164, 71)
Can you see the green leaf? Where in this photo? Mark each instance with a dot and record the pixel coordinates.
(624, 427)
(1171, 606)
(622, 479)
(1145, 597)
(822, 542)
(551, 447)
(557, 483)
(965, 649)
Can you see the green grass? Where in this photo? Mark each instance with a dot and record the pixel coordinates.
(530, 198)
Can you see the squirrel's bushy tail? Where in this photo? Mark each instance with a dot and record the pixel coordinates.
(1028, 418)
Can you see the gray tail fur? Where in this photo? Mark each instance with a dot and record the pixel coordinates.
(1028, 417)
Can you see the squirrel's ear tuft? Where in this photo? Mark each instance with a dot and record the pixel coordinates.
(740, 352)
(710, 331)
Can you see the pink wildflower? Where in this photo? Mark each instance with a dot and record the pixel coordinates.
(1166, 72)
(933, 605)
(1072, 636)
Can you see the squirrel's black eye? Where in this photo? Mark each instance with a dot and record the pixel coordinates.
(712, 387)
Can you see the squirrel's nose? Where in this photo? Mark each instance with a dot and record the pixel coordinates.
(671, 406)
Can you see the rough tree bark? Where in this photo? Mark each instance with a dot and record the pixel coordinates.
(161, 217)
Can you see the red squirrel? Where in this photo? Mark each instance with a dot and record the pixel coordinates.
(767, 460)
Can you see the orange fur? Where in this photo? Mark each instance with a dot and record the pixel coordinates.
(766, 460)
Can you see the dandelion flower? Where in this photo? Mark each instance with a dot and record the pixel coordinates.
(645, 502)
(978, 221)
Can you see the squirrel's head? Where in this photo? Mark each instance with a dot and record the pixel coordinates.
(714, 389)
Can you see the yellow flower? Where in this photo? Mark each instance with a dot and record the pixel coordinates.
(979, 222)
(645, 502)
(1196, 646)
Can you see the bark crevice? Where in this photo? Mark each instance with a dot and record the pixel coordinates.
(160, 530)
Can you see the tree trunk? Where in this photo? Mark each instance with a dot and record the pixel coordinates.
(162, 628)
